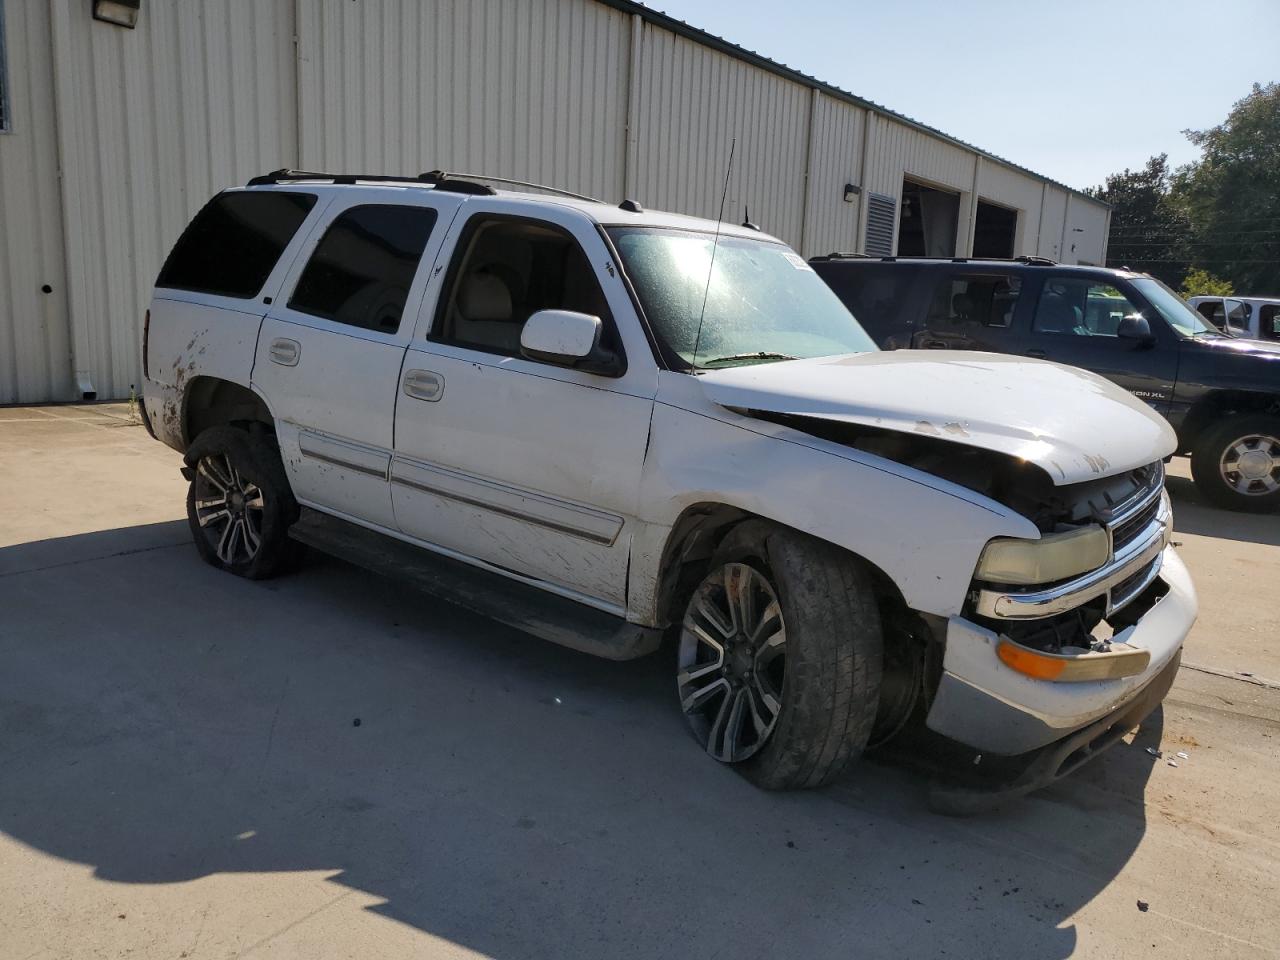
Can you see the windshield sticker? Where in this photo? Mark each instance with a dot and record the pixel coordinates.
(796, 261)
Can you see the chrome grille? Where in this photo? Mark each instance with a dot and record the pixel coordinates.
(1131, 527)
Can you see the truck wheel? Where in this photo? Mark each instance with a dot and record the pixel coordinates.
(239, 504)
(1236, 464)
(780, 658)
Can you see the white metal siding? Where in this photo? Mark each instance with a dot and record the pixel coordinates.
(34, 352)
(532, 89)
(831, 224)
(144, 125)
(693, 102)
(151, 122)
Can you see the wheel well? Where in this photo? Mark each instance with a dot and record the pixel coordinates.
(694, 538)
(1222, 403)
(211, 402)
(913, 652)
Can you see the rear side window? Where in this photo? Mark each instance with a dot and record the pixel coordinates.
(1269, 322)
(231, 246)
(975, 301)
(876, 296)
(363, 266)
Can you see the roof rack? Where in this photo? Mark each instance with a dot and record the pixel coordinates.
(843, 255)
(285, 175)
(439, 176)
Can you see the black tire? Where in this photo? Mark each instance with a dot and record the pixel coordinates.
(1216, 443)
(267, 509)
(830, 680)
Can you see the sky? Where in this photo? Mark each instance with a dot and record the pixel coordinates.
(1072, 90)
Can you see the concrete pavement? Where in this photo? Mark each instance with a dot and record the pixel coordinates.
(181, 773)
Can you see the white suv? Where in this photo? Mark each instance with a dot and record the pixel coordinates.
(605, 424)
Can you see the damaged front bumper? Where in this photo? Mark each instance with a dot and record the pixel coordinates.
(986, 705)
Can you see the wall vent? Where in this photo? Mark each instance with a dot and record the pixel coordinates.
(881, 211)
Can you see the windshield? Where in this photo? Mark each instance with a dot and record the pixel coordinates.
(764, 303)
(1181, 317)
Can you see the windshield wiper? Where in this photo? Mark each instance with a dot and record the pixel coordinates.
(737, 357)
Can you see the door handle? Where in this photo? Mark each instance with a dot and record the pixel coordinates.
(285, 352)
(423, 385)
(1036, 354)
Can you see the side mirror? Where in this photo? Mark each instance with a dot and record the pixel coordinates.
(568, 339)
(1135, 327)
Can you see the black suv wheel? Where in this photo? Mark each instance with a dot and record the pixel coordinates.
(1236, 464)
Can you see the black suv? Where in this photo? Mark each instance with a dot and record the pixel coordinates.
(1222, 394)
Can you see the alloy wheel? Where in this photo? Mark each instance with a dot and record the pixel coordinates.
(1251, 465)
(229, 509)
(732, 661)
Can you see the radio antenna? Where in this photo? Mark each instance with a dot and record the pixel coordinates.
(714, 244)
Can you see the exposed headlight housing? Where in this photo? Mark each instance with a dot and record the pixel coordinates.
(1054, 557)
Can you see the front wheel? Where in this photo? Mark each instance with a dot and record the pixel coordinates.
(239, 505)
(1236, 464)
(780, 658)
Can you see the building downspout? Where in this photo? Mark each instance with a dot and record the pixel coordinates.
(808, 173)
(631, 146)
(860, 241)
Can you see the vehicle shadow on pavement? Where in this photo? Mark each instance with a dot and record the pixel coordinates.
(1192, 514)
(161, 721)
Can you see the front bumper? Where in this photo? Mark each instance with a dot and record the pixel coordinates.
(986, 705)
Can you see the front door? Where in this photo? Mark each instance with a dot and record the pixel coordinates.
(527, 466)
(329, 352)
(1075, 322)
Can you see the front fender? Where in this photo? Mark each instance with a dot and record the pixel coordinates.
(924, 533)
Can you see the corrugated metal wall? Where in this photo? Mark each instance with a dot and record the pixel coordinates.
(574, 93)
(694, 102)
(535, 89)
(150, 123)
(34, 349)
(835, 159)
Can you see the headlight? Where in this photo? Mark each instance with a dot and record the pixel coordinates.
(1056, 556)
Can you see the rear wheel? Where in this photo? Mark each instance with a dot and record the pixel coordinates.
(239, 505)
(780, 658)
(1236, 464)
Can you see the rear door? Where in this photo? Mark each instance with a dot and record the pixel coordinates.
(330, 350)
(972, 310)
(1074, 322)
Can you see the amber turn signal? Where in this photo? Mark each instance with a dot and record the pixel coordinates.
(1121, 661)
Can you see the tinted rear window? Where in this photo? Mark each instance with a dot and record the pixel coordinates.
(876, 294)
(363, 266)
(232, 245)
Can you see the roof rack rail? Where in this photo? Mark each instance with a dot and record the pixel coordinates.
(1036, 261)
(842, 255)
(442, 176)
(285, 175)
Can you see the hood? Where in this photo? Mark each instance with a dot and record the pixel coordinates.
(1070, 423)
(1265, 349)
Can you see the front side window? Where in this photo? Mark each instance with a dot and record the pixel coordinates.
(1082, 308)
(363, 266)
(974, 301)
(1238, 317)
(505, 271)
(755, 300)
(231, 246)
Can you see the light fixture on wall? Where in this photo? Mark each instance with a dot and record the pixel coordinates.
(123, 13)
(851, 191)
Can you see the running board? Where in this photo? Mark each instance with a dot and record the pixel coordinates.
(545, 615)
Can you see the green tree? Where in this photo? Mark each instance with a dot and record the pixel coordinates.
(1232, 194)
(1201, 283)
(1149, 231)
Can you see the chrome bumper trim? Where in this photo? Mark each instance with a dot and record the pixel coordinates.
(1145, 550)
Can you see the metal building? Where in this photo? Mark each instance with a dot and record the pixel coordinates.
(112, 136)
